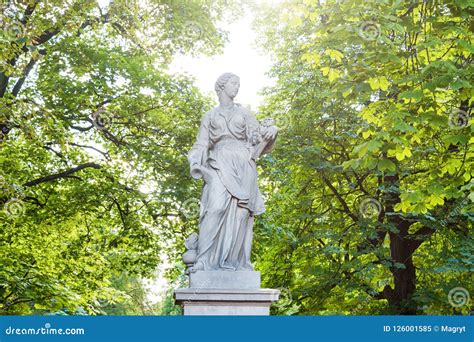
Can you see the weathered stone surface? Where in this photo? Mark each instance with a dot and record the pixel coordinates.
(229, 142)
(209, 301)
(225, 279)
(221, 277)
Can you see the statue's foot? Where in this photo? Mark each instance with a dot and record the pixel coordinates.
(197, 267)
(228, 268)
(245, 268)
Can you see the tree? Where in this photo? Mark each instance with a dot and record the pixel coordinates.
(372, 180)
(94, 134)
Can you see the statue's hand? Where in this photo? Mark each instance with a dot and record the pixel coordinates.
(270, 133)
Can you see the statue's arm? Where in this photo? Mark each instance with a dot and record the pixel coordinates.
(197, 156)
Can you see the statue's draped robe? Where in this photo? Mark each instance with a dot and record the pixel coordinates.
(232, 198)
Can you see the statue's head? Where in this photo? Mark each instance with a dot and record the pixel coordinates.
(228, 84)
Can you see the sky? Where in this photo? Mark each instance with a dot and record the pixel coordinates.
(240, 56)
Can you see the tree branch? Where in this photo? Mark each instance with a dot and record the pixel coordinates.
(29, 67)
(105, 154)
(418, 237)
(340, 199)
(63, 174)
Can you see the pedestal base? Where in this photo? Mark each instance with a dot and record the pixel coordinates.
(225, 293)
(212, 301)
(225, 280)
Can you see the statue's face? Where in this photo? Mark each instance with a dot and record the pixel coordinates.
(232, 86)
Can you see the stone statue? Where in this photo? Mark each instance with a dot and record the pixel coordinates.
(229, 142)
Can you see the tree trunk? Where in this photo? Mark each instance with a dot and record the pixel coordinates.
(404, 277)
(403, 270)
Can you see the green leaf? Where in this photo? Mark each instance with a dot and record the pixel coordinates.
(415, 95)
(457, 139)
(334, 54)
(386, 165)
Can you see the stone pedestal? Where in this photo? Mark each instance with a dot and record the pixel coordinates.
(225, 293)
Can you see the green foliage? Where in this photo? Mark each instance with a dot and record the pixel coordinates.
(132, 299)
(369, 189)
(93, 148)
(167, 307)
(371, 182)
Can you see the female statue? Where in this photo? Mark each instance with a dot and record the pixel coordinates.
(228, 144)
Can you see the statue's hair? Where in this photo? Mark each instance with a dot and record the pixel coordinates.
(222, 80)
